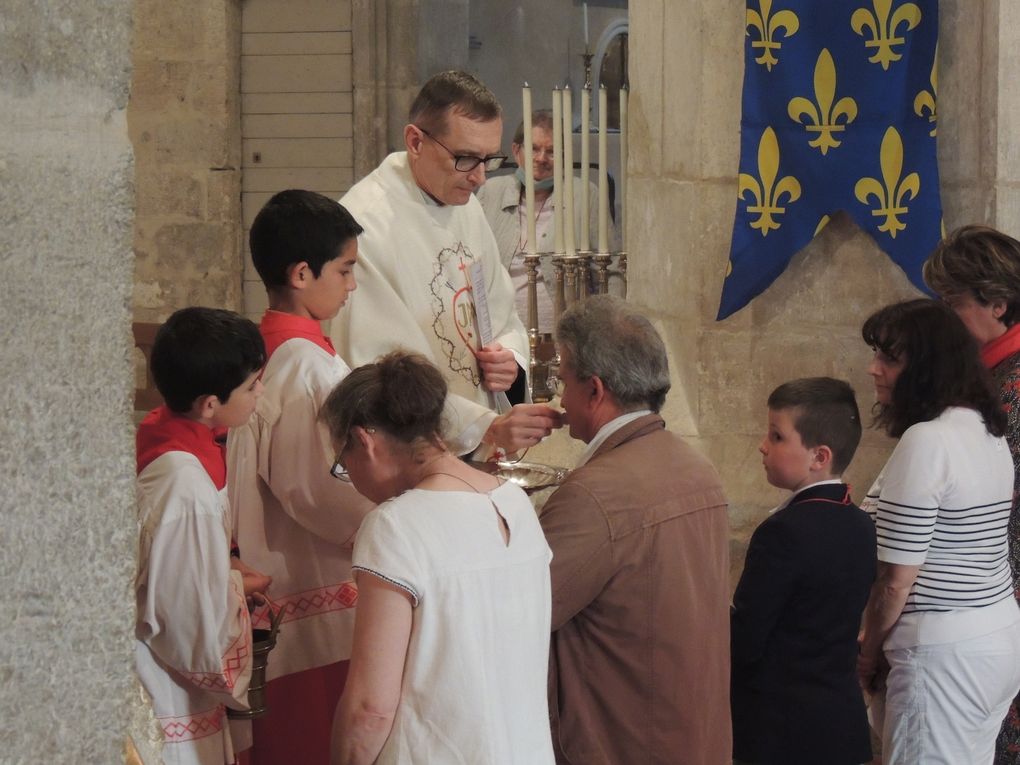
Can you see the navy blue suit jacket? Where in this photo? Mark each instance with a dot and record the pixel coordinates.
(796, 614)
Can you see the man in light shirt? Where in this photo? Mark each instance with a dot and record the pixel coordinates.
(640, 569)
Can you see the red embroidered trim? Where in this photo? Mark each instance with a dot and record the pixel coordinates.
(845, 501)
(192, 727)
(234, 660)
(322, 600)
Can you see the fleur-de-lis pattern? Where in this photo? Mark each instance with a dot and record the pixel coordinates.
(883, 27)
(767, 26)
(892, 192)
(824, 115)
(768, 193)
(839, 114)
(925, 100)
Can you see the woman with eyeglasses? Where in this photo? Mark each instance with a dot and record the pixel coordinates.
(941, 619)
(451, 638)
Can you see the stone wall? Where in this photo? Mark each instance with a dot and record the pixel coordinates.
(686, 82)
(184, 121)
(68, 539)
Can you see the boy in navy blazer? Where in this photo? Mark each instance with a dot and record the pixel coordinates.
(797, 608)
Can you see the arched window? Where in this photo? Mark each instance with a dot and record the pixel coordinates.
(609, 67)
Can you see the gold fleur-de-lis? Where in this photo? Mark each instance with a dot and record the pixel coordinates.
(891, 192)
(925, 100)
(768, 194)
(826, 115)
(822, 223)
(768, 25)
(884, 24)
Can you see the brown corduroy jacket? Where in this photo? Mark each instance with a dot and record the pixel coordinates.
(639, 664)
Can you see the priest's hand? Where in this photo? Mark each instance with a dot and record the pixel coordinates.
(523, 426)
(498, 366)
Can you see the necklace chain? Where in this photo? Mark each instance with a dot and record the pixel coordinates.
(457, 477)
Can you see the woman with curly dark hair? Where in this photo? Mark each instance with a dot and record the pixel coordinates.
(941, 617)
(976, 272)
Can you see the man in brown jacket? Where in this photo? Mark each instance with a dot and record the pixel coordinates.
(640, 571)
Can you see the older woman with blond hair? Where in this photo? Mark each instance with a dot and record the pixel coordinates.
(976, 271)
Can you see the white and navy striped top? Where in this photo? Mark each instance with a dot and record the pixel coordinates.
(942, 502)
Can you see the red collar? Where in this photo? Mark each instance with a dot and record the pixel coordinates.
(1002, 347)
(165, 431)
(278, 327)
(817, 493)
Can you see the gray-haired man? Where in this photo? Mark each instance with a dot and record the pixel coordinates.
(640, 570)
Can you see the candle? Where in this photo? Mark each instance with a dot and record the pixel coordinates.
(623, 164)
(568, 173)
(603, 171)
(585, 6)
(529, 173)
(585, 239)
(557, 196)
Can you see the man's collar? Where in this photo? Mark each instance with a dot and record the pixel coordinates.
(606, 431)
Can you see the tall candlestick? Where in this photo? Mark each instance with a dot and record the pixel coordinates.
(529, 172)
(623, 164)
(603, 170)
(585, 238)
(557, 195)
(568, 173)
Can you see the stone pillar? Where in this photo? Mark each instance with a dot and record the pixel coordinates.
(686, 79)
(397, 45)
(68, 536)
(184, 120)
(1004, 67)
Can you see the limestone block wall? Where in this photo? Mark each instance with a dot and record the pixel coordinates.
(296, 110)
(685, 109)
(184, 121)
(67, 538)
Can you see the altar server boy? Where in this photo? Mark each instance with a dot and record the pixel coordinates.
(808, 573)
(294, 520)
(194, 638)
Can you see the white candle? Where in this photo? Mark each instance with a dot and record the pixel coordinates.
(586, 46)
(623, 164)
(557, 196)
(585, 239)
(529, 173)
(568, 173)
(603, 171)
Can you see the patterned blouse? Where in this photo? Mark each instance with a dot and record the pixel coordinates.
(1006, 375)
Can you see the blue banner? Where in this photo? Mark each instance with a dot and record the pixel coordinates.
(838, 114)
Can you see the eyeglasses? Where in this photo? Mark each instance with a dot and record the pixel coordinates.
(338, 470)
(465, 163)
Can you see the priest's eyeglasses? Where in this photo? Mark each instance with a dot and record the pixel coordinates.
(465, 163)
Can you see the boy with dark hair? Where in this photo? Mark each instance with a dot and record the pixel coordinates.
(807, 576)
(294, 520)
(194, 634)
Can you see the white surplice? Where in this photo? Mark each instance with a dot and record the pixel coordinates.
(414, 291)
(193, 651)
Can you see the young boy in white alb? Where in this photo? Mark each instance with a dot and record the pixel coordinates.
(293, 519)
(194, 645)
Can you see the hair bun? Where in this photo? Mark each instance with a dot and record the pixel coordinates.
(413, 390)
